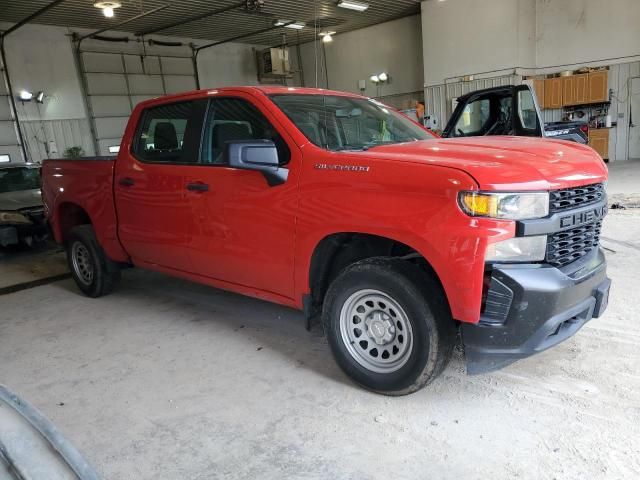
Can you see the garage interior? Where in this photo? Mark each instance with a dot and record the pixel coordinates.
(170, 379)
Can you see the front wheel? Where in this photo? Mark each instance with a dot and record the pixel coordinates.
(93, 272)
(388, 325)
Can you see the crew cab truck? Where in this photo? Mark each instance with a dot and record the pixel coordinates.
(336, 205)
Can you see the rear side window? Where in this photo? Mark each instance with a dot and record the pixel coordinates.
(170, 133)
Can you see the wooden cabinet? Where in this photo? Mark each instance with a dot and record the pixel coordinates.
(581, 92)
(599, 86)
(599, 141)
(538, 88)
(553, 92)
(568, 90)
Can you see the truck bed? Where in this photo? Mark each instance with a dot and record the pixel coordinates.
(87, 182)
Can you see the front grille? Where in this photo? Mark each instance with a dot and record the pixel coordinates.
(570, 245)
(568, 198)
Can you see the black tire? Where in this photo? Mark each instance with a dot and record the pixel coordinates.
(425, 307)
(104, 272)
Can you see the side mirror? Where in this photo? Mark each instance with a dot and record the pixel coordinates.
(259, 155)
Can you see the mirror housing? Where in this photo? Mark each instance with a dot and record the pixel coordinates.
(258, 155)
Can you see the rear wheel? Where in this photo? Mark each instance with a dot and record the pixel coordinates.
(93, 272)
(388, 325)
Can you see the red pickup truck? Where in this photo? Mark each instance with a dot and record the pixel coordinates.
(337, 205)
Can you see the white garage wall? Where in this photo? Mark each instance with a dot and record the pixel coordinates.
(574, 31)
(393, 47)
(462, 37)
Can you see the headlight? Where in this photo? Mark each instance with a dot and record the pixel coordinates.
(14, 217)
(511, 206)
(518, 249)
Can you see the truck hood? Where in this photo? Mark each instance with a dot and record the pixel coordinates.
(20, 199)
(505, 163)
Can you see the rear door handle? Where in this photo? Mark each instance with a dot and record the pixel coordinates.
(126, 182)
(198, 187)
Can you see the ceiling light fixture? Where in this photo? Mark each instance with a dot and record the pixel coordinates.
(327, 36)
(375, 79)
(296, 25)
(280, 23)
(353, 5)
(383, 77)
(107, 7)
(40, 97)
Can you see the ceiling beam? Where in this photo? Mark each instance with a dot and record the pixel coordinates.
(118, 25)
(26, 20)
(245, 35)
(193, 18)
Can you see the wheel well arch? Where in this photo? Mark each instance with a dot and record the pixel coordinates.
(338, 250)
(71, 215)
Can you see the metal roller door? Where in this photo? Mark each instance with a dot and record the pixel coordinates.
(10, 149)
(116, 82)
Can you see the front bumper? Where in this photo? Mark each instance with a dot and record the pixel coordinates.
(533, 307)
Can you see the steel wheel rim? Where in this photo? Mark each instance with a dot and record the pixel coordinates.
(82, 264)
(372, 323)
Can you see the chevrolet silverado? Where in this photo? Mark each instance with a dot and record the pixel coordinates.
(337, 205)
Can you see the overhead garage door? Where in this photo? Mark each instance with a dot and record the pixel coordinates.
(10, 149)
(116, 82)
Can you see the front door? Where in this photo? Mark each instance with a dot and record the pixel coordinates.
(244, 229)
(151, 185)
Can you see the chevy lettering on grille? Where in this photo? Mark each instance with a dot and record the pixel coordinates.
(580, 218)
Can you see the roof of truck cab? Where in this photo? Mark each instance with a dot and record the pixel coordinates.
(266, 90)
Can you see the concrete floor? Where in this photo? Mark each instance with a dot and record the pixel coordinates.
(169, 380)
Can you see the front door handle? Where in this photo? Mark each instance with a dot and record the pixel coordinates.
(126, 182)
(198, 187)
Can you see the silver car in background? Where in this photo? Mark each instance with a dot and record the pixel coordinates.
(22, 219)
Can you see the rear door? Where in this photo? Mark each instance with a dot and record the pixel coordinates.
(151, 184)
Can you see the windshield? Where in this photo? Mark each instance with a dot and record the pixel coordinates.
(347, 123)
(16, 179)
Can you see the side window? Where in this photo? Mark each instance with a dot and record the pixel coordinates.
(474, 117)
(234, 119)
(527, 110)
(170, 133)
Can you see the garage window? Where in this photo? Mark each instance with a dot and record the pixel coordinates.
(170, 133)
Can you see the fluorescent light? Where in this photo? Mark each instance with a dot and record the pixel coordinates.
(25, 96)
(280, 23)
(296, 26)
(114, 149)
(353, 5)
(5, 158)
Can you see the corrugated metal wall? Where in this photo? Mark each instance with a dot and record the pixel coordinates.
(439, 98)
(50, 138)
